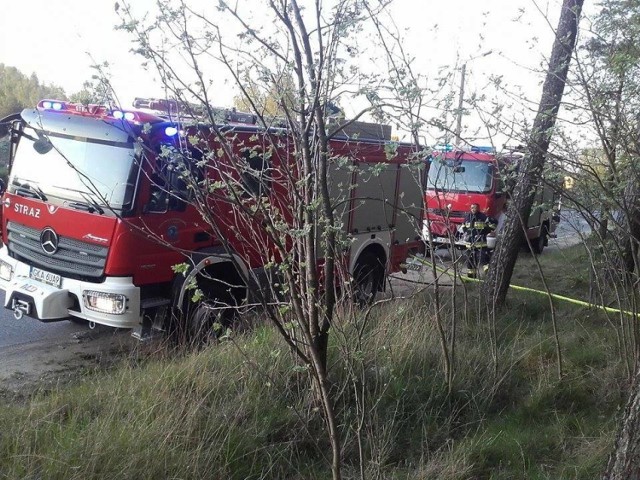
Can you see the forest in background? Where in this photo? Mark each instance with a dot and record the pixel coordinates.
(19, 91)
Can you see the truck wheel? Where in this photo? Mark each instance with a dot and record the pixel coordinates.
(538, 243)
(368, 277)
(207, 319)
(200, 322)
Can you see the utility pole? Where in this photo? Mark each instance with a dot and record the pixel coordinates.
(463, 73)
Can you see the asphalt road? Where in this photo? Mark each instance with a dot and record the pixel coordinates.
(571, 229)
(26, 330)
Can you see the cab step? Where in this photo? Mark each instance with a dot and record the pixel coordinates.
(153, 302)
(152, 325)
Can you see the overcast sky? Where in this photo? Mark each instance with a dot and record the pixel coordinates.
(54, 39)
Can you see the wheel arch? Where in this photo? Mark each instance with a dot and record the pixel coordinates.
(373, 247)
(220, 266)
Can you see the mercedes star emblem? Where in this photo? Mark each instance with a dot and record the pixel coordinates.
(49, 241)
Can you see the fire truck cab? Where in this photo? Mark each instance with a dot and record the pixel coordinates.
(94, 218)
(458, 178)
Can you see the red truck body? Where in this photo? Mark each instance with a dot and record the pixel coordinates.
(94, 220)
(458, 178)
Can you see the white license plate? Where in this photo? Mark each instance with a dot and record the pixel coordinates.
(43, 276)
(416, 267)
(443, 240)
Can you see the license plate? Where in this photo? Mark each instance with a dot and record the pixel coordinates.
(43, 276)
(442, 240)
(416, 267)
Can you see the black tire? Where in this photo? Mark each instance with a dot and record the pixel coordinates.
(368, 278)
(200, 322)
(208, 318)
(538, 243)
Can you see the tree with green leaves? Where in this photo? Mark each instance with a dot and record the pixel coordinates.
(289, 72)
(19, 91)
(607, 77)
(268, 97)
(530, 170)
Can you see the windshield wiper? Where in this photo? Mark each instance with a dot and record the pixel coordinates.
(29, 191)
(85, 206)
(92, 203)
(90, 206)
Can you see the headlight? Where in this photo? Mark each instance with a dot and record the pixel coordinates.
(426, 234)
(113, 303)
(6, 272)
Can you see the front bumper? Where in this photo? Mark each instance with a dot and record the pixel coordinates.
(47, 303)
(429, 237)
(456, 239)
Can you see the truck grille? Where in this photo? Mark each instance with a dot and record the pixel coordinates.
(74, 258)
(446, 213)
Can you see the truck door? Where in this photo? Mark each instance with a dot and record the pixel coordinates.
(10, 128)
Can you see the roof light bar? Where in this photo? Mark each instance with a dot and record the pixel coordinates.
(52, 105)
(120, 115)
(443, 147)
(482, 149)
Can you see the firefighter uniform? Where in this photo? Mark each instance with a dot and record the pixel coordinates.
(475, 229)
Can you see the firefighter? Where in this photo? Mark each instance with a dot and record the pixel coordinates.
(475, 229)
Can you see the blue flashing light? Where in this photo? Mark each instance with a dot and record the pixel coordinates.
(56, 106)
(118, 115)
(129, 116)
(47, 105)
(478, 149)
(170, 131)
(446, 147)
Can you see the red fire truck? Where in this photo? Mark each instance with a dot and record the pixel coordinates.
(95, 215)
(458, 178)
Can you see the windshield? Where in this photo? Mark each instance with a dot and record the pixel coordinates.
(74, 169)
(460, 176)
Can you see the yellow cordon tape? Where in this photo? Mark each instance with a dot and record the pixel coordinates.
(582, 303)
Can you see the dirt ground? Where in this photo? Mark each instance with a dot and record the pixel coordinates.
(29, 367)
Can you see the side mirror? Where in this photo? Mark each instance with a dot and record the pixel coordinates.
(157, 202)
(42, 146)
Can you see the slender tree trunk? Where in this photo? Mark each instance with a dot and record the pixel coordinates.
(530, 169)
(629, 235)
(624, 462)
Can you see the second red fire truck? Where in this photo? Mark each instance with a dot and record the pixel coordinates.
(458, 178)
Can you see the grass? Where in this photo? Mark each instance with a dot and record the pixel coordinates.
(559, 269)
(243, 409)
